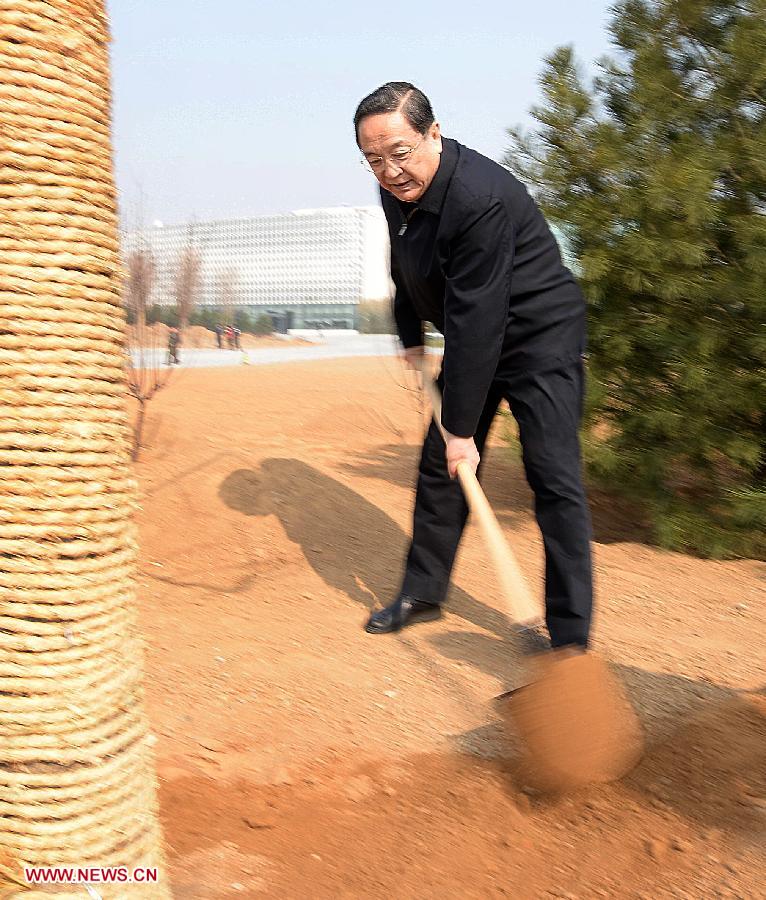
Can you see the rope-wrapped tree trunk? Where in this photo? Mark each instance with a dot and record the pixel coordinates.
(76, 768)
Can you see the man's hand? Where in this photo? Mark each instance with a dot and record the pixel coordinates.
(413, 357)
(459, 449)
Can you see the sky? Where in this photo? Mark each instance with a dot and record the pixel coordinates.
(233, 108)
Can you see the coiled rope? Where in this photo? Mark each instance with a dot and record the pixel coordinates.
(76, 768)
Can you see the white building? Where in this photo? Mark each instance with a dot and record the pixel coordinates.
(309, 268)
(315, 265)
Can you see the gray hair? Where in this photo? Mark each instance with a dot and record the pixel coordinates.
(392, 97)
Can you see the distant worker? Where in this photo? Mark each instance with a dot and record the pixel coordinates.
(237, 335)
(174, 342)
(219, 335)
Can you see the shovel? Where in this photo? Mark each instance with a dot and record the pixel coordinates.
(574, 721)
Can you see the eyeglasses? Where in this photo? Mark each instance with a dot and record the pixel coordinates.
(377, 164)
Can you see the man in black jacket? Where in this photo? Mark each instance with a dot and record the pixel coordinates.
(472, 253)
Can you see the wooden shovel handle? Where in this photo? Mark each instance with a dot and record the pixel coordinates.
(520, 604)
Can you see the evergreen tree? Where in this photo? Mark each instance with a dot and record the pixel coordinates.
(263, 324)
(656, 173)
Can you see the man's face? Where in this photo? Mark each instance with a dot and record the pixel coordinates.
(385, 136)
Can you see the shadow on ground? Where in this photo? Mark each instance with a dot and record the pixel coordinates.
(350, 543)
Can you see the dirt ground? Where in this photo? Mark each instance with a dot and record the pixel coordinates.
(300, 757)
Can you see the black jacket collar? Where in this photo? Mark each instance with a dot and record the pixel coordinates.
(433, 199)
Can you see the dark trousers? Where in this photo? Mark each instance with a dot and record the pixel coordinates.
(548, 408)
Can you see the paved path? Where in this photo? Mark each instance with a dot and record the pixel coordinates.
(331, 345)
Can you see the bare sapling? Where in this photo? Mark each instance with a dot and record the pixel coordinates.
(145, 372)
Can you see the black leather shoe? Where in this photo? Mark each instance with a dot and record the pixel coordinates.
(401, 612)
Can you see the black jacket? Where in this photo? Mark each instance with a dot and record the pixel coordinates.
(478, 260)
